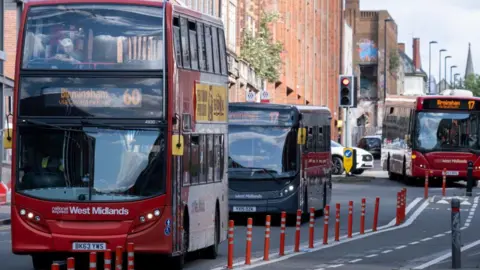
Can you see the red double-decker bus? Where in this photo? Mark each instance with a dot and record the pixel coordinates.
(430, 134)
(119, 130)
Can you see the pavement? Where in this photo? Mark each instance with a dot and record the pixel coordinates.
(424, 239)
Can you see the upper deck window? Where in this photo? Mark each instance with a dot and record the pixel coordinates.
(93, 37)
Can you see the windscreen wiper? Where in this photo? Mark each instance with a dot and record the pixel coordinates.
(269, 172)
(44, 124)
(104, 125)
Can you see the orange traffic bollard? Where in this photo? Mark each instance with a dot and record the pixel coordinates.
(398, 215)
(230, 244)
(325, 224)
(71, 264)
(266, 246)
(337, 223)
(375, 215)
(350, 219)
(312, 228)
(119, 258)
(425, 191)
(107, 260)
(55, 266)
(444, 182)
(130, 256)
(297, 231)
(283, 222)
(93, 261)
(248, 251)
(404, 204)
(362, 216)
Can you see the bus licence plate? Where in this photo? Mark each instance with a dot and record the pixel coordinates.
(89, 246)
(452, 172)
(244, 209)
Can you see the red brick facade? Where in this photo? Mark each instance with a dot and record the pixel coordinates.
(311, 35)
(10, 39)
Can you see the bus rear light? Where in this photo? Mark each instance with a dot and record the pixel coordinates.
(146, 220)
(33, 219)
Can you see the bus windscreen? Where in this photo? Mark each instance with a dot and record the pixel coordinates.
(93, 37)
(447, 131)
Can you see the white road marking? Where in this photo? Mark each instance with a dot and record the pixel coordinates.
(371, 256)
(335, 265)
(438, 235)
(414, 243)
(387, 251)
(400, 247)
(426, 239)
(446, 256)
(355, 261)
(257, 262)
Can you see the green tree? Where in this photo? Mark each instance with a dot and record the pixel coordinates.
(472, 82)
(261, 51)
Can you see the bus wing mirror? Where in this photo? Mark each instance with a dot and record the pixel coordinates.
(7, 138)
(177, 145)
(302, 136)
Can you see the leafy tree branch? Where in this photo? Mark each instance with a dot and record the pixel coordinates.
(261, 51)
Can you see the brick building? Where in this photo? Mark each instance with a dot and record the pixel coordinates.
(310, 31)
(368, 59)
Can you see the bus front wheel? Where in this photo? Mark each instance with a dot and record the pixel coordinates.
(41, 261)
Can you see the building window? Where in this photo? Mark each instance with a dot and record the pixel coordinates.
(223, 53)
(193, 44)
(232, 26)
(216, 52)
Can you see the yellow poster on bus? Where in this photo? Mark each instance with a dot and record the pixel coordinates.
(211, 103)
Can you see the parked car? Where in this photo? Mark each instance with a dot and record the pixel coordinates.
(364, 159)
(372, 144)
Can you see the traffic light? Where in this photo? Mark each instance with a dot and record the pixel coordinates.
(347, 91)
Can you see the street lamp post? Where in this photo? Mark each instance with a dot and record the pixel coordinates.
(455, 79)
(451, 74)
(446, 57)
(430, 65)
(440, 70)
(385, 60)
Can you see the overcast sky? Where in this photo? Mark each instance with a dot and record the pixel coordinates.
(452, 23)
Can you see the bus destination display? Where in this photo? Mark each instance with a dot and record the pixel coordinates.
(449, 104)
(94, 97)
(260, 117)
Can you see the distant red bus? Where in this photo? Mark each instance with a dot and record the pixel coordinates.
(119, 130)
(428, 134)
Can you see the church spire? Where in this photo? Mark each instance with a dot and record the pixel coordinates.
(469, 67)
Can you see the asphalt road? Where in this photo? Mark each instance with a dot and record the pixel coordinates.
(432, 221)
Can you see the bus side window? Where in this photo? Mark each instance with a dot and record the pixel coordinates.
(186, 159)
(216, 52)
(216, 152)
(176, 38)
(208, 43)
(202, 53)
(222, 157)
(223, 52)
(320, 140)
(210, 158)
(203, 159)
(192, 29)
(184, 42)
(310, 145)
(327, 137)
(194, 160)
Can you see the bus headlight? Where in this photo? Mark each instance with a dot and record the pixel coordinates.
(146, 220)
(33, 219)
